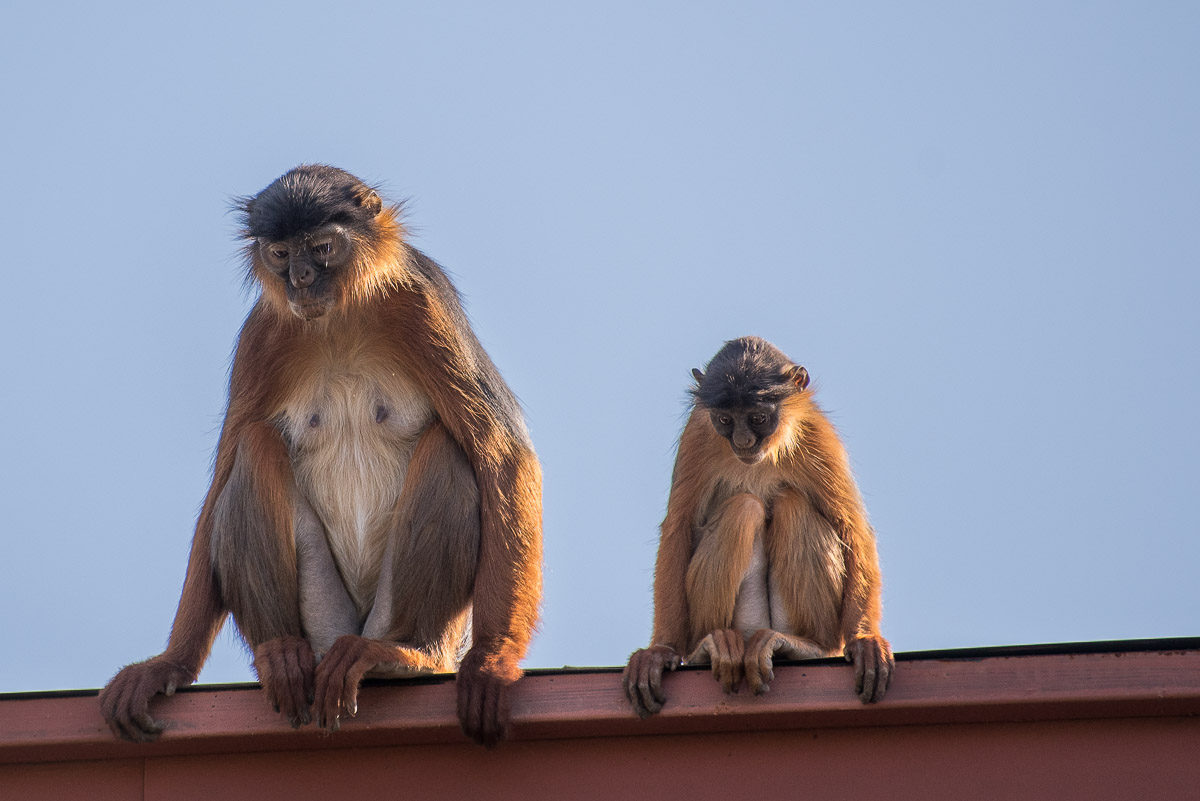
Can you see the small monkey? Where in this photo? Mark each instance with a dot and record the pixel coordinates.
(765, 550)
(375, 504)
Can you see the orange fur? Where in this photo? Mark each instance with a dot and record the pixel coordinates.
(395, 333)
(822, 566)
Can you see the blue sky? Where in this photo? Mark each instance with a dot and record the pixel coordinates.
(975, 225)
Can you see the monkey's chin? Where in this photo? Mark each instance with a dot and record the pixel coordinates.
(750, 457)
(307, 311)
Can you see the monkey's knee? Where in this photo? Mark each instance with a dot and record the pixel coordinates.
(425, 587)
(789, 504)
(252, 553)
(442, 484)
(744, 512)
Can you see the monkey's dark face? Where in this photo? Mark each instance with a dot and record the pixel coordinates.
(309, 266)
(310, 228)
(747, 428)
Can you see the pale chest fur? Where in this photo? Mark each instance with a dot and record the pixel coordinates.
(352, 425)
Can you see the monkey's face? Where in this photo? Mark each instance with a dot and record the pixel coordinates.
(309, 267)
(748, 429)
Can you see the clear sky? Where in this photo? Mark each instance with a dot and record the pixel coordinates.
(975, 225)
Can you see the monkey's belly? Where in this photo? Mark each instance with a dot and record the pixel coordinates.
(352, 437)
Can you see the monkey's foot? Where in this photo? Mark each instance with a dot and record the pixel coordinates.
(873, 666)
(125, 701)
(483, 697)
(343, 667)
(761, 650)
(285, 668)
(726, 649)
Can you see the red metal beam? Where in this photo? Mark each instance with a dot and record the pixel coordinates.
(558, 705)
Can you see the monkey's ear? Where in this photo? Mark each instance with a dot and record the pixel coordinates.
(699, 376)
(371, 201)
(798, 376)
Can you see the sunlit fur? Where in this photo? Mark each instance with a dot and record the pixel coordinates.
(387, 417)
(799, 505)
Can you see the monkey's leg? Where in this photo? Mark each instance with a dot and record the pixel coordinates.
(422, 604)
(254, 556)
(806, 577)
(326, 609)
(722, 562)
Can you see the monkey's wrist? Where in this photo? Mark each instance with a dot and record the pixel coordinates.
(499, 664)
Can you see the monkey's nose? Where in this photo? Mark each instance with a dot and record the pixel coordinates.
(302, 276)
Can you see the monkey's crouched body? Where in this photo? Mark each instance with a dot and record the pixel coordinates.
(375, 494)
(765, 550)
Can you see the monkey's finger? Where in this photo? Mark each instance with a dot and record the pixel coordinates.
(353, 679)
(735, 645)
(760, 670)
(320, 706)
(883, 679)
(629, 686)
(866, 660)
(649, 689)
(885, 665)
(495, 715)
(330, 680)
(470, 709)
(725, 669)
(138, 723)
(656, 676)
(635, 681)
(136, 720)
(298, 676)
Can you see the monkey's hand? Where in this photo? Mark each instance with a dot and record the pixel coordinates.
(764, 644)
(484, 683)
(726, 649)
(125, 701)
(873, 666)
(642, 678)
(285, 668)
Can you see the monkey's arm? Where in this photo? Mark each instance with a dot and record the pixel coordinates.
(642, 679)
(507, 592)
(862, 610)
(438, 350)
(125, 700)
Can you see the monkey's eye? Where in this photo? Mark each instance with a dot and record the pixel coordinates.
(322, 248)
(279, 253)
(725, 419)
(758, 419)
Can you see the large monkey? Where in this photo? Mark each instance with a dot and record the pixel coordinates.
(376, 502)
(765, 549)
